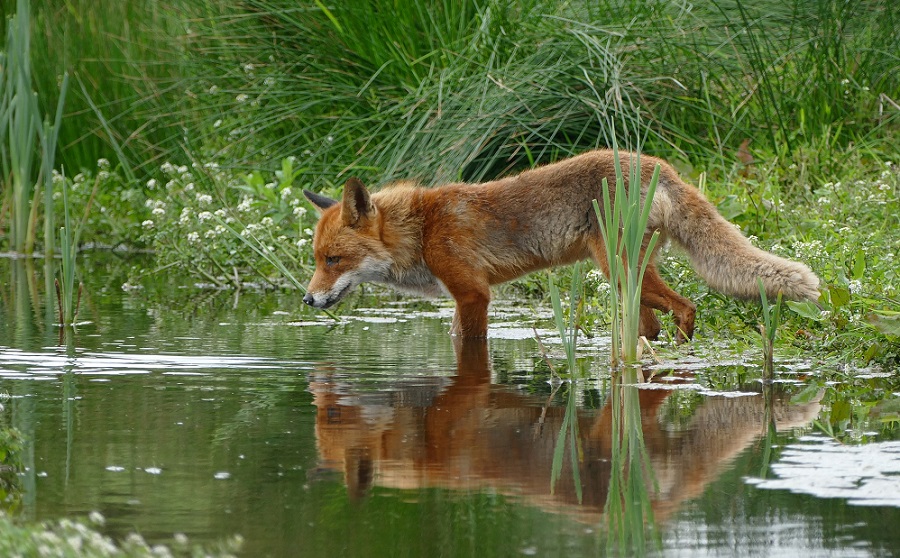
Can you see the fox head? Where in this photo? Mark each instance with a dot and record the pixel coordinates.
(346, 245)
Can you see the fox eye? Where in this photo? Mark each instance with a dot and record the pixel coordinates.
(332, 260)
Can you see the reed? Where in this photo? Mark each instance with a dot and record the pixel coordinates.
(623, 225)
(20, 124)
(771, 315)
(568, 433)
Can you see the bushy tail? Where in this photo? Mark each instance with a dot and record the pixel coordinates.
(722, 255)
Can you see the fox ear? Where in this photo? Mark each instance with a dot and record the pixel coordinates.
(320, 202)
(357, 204)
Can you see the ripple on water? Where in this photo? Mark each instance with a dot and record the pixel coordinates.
(864, 475)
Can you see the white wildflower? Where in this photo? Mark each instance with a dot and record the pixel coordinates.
(245, 204)
(189, 187)
(302, 242)
(286, 193)
(193, 237)
(102, 163)
(299, 211)
(185, 217)
(269, 81)
(242, 98)
(217, 123)
(204, 199)
(158, 211)
(168, 168)
(204, 216)
(220, 212)
(148, 224)
(308, 232)
(266, 222)
(151, 184)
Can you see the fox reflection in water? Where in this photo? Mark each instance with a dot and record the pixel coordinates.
(466, 433)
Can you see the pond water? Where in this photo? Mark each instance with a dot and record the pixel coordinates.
(175, 410)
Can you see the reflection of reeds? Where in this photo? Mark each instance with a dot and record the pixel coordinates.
(568, 432)
(623, 224)
(629, 513)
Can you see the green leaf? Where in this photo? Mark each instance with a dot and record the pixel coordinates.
(807, 309)
(859, 265)
(840, 296)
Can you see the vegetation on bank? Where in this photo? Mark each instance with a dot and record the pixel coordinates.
(224, 111)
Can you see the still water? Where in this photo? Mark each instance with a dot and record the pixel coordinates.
(176, 410)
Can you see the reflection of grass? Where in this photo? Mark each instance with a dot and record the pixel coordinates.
(629, 513)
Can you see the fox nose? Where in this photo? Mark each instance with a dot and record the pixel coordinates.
(308, 299)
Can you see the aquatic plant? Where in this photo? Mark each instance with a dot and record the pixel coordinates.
(568, 332)
(623, 225)
(771, 315)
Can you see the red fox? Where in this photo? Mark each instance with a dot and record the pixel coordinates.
(459, 239)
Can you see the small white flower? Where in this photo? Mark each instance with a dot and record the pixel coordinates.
(102, 163)
(204, 199)
(158, 211)
(97, 518)
(286, 193)
(299, 211)
(219, 213)
(266, 222)
(103, 175)
(189, 187)
(79, 178)
(193, 237)
(185, 217)
(167, 168)
(248, 68)
(204, 216)
(210, 233)
(271, 185)
(217, 123)
(308, 232)
(148, 224)
(302, 242)
(213, 89)
(242, 98)
(151, 184)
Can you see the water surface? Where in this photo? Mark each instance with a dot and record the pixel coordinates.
(176, 410)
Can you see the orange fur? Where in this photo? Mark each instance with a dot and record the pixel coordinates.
(459, 239)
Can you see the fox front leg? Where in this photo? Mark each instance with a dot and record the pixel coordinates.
(471, 316)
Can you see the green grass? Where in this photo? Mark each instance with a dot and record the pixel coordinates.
(443, 90)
